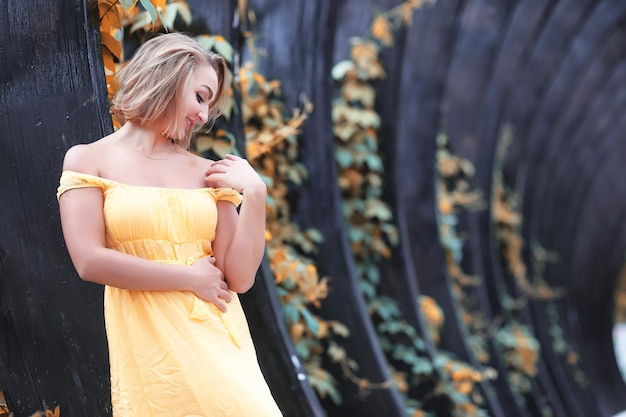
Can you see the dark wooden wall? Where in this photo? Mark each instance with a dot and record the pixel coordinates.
(554, 70)
(52, 341)
(53, 349)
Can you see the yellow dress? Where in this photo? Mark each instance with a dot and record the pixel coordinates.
(171, 353)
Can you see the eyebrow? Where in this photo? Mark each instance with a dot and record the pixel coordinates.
(210, 91)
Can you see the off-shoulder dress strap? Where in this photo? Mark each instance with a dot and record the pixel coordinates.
(72, 179)
(227, 194)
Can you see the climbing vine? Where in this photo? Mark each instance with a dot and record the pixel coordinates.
(454, 194)
(271, 144)
(372, 232)
(516, 341)
(272, 149)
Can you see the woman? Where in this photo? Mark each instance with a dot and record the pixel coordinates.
(140, 215)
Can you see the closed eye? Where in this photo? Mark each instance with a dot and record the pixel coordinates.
(199, 98)
(210, 91)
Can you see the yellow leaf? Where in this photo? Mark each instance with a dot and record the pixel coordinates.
(109, 63)
(111, 44)
(339, 328)
(381, 30)
(158, 4)
(109, 15)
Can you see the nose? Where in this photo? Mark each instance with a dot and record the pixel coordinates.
(203, 117)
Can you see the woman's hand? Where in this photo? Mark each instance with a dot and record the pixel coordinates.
(236, 172)
(209, 283)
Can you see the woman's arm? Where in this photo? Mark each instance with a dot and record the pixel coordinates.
(239, 243)
(82, 220)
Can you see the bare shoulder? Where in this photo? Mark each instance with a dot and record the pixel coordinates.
(198, 162)
(85, 158)
(203, 162)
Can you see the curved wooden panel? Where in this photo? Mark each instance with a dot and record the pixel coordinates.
(526, 28)
(570, 70)
(428, 51)
(305, 69)
(277, 357)
(565, 139)
(52, 349)
(553, 70)
(476, 79)
(592, 279)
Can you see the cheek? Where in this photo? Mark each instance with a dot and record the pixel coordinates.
(194, 107)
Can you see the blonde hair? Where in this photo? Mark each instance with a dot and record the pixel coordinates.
(148, 85)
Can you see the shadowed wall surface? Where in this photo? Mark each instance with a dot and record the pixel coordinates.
(549, 76)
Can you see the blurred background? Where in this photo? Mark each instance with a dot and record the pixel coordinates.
(446, 215)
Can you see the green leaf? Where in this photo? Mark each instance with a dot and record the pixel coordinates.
(294, 176)
(127, 4)
(373, 274)
(325, 387)
(367, 289)
(183, 11)
(142, 20)
(343, 157)
(291, 313)
(206, 41)
(355, 235)
(225, 49)
(341, 68)
(374, 162)
(281, 292)
(268, 181)
(222, 144)
(147, 4)
(315, 235)
(310, 320)
(302, 349)
(339, 328)
(169, 16)
(376, 209)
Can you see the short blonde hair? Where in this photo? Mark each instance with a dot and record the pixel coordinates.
(148, 85)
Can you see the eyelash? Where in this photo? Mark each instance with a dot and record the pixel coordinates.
(200, 99)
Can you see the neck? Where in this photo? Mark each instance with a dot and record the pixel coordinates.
(149, 142)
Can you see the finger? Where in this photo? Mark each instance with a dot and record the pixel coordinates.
(225, 295)
(230, 159)
(217, 169)
(211, 164)
(219, 304)
(219, 180)
(213, 177)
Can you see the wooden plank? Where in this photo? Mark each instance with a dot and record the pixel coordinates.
(52, 348)
(303, 68)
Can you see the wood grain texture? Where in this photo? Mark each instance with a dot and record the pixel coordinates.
(52, 342)
(553, 70)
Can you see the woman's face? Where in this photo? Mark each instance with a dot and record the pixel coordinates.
(197, 97)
